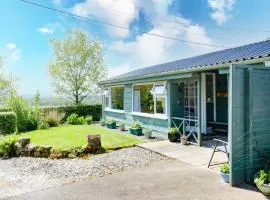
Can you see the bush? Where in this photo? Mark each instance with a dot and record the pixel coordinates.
(262, 177)
(27, 116)
(81, 110)
(8, 147)
(225, 168)
(8, 122)
(173, 131)
(110, 121)
(72, 119)
(53, 118)
(136, 125)
(43, 125)
(89, 119)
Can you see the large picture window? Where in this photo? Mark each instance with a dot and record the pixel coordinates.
(150, 98)
(114, 98)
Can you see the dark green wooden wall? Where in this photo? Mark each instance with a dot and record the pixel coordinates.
(249, 123)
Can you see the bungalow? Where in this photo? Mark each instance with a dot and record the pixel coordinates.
(225, 91)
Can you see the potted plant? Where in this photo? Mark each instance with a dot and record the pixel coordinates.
(122, 127)
(262, 181)
(225, 172)
(135, 129)
(173, 134)
(184, 139)
(102, 122)
(110, 123)
(148, 133)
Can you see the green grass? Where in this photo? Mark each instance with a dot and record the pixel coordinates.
(70, 136)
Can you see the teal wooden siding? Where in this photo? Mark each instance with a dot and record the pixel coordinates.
(237, 125)
(177, 100)
(249, 121)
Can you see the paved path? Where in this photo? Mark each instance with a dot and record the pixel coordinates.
(171, 179)
(191, 154)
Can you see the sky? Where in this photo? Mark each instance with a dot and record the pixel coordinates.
(25, 32)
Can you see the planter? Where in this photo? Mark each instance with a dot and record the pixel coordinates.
(102, 123)
(111, 126)
(148, 134)
(184, 140)
(264, 188)
(225, 177)
(135, 131)
(172, 137)
(122, 127)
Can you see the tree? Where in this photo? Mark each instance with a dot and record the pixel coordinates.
(77, 67)
(6, 84)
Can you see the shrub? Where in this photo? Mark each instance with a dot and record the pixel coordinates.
(8, 147)
(27, 116)
(262, 177)
(72, 119)
(136, 125)
(89, 119)
(8, 122)
(110, 121)
(173, 131)
(80, 120)
(225, 168)
(43, 125)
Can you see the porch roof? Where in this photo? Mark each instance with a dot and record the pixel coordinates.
(223, 57)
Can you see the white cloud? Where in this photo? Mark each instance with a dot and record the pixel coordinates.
(45, 30)
(150, 50)
(117, 70)
(221, 9)
(13, 53)
(108, 11)
(11, 46)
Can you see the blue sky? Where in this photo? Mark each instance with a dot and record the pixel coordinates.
(26, 30)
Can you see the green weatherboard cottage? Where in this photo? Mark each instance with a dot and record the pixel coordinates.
(225, 91)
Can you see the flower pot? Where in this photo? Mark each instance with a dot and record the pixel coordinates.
(172, 137)
(122, 127)
(184, 140)
(225, 177)
(264, 188)
(135, 131)
(111, 126)
(102, 123)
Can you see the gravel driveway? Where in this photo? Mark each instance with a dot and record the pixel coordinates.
(20, 175)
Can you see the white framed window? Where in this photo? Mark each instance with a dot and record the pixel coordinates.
(114, 98)
(150, 98)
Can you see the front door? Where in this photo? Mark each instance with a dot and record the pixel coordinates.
(208, 100)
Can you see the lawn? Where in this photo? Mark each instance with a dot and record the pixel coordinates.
(70, 136)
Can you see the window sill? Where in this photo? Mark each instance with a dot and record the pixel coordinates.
(114, 110)
(156, 116)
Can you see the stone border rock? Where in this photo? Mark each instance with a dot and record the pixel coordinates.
(25, 148)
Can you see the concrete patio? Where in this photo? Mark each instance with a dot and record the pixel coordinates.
(191, 154)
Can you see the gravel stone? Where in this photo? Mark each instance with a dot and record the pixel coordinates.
(26, 174)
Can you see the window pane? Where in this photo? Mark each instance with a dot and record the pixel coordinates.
(146, 99)
(107, 102)
(159, 89)
(136, 99)
(117, 98)
(160, 105)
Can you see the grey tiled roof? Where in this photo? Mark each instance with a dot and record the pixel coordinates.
(246, 52)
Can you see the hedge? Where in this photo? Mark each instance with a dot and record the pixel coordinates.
(5, 109)
(81, 110)
(8, 122)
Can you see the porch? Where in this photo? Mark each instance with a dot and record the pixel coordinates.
(198, 106)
